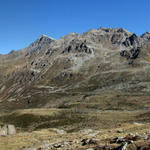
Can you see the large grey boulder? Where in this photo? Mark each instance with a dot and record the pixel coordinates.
(7, 130)
(11, 129)
(3, 131)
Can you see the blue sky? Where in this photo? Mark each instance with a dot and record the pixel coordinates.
(23, 21)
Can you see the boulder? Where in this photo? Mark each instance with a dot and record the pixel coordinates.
(3, 131)
(11, 129)
(7, 130)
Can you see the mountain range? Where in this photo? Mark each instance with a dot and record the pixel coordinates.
(105, 68)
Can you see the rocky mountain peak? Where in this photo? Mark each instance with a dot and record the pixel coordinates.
(43, 42)
(146, 36)
(43, 36)
(112, 30)
(113, 38)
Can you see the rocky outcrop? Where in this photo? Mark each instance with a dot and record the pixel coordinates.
(129, 142)
(146, 36)
(78, 46)
(131, 55)
(132, 41)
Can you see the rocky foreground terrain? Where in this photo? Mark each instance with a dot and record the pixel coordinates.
(82, 91)
(59, 129)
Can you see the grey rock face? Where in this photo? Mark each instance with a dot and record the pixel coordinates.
(131, 55)
(78, 46)
(41, 43)
(133, 40)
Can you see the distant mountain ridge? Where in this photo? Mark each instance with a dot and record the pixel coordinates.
(50, 73)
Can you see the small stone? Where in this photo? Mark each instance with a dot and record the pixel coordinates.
(57, 145)
(123, 146)
(119, 131)
(88, 141)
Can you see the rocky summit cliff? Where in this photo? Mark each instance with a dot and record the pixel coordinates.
(102, 68)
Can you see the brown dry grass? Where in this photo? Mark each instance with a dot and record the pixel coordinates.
(107, 122)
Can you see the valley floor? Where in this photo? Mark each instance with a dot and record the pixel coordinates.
(76, 129)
